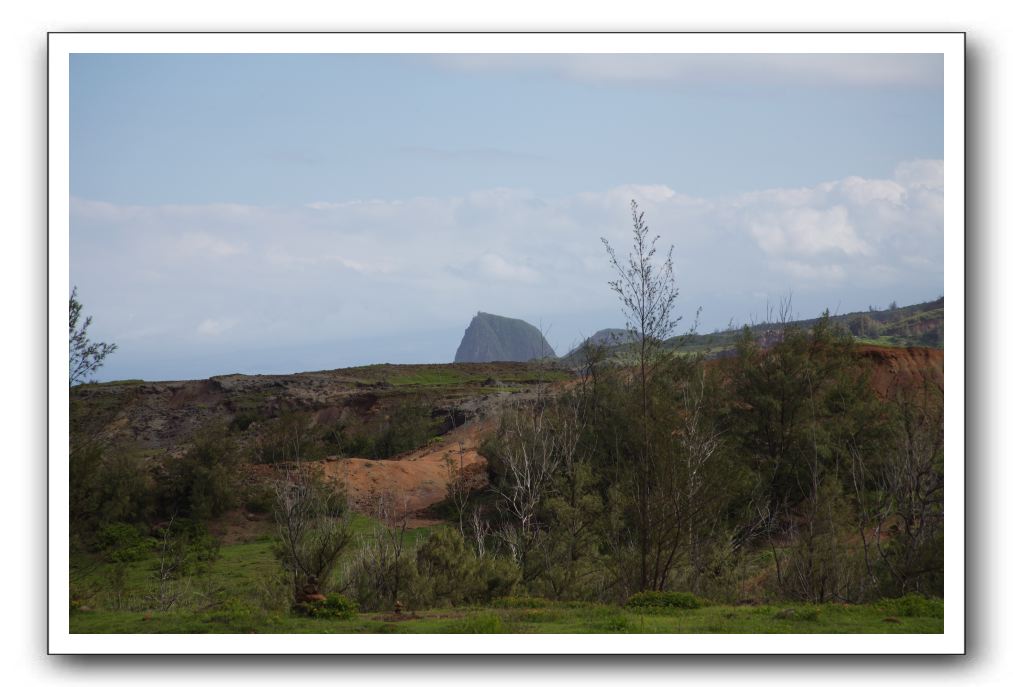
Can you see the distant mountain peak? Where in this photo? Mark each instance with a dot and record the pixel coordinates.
(491, 338)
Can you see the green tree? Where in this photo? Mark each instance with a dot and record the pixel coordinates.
(201, 483)
(86, 356)
(804, 411)
(647, 293)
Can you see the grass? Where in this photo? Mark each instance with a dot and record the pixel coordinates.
(240, 572)
(237, 580)
(555, 618)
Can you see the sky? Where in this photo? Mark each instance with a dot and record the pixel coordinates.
(282, 213)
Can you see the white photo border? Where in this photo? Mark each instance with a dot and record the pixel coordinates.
(62, 45)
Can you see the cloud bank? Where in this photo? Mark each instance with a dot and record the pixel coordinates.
(853, 69)
(177, 281)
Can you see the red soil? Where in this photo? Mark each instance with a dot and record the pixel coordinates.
(418, 478)
(905, 367)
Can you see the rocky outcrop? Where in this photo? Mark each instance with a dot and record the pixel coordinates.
(494, 338)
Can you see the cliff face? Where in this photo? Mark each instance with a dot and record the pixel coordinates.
(493, 338)
(908, 368)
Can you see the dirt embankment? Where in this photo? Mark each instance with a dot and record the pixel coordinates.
(416, 480)
(909, 368)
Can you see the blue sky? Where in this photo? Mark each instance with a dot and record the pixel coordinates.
(275, 213)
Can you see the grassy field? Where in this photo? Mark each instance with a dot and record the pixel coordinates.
(551, 618)
(235, 585)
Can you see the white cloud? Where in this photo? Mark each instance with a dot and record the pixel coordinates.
(201, 245)
(213, 327)
(807, 232)
(340, 270)
(921, 174)
(492, 265)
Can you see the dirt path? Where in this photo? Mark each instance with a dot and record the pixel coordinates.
(419, 477)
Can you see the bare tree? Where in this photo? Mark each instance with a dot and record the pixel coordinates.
(385, 565)
(699, 442)
(312, 519)
(171, 587)
(530, 459)
(480, 530)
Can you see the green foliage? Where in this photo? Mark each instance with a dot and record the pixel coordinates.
(664, 600)
(801, 400)
(121, 542)
(818, 565)
(201, 484)
(259, 498)
(498, 576)
(242, 420)
(449, 568)
(913, 606)
(405, 427)
(285, 440)
(85, 356)
(910, 505)
(335, 607)
(188, 544)
(105, 489)
(440, 571)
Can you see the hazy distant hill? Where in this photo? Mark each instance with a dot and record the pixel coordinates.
(918, 325)
(603, 338)
(495, 338)
(608, 337)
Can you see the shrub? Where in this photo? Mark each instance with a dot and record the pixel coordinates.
(105, 488)
(914, 606)
(242, 420)
(313, 529)
(121, 543)
(383, 573)
(334, 607)
(499, 577)
(185, 547)
(407, 426)
(455, 575)
(449, 567)
(260, 499)
(664, 600)
(201, 483)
